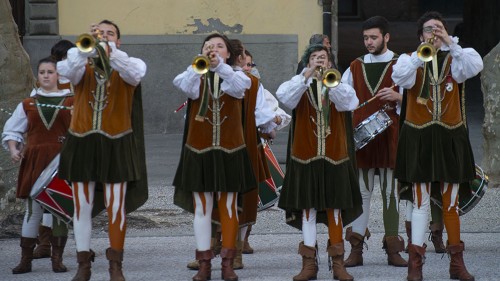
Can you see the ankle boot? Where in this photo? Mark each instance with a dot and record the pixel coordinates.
(27, 246)
(457, 265)
(336, 261)
(436, 237)
(393, 245)
(309, 263)
(247, 249)
(215, 246)
(238, 260)
(42, 250)
(84, 260)
(227, 272)
(115, 258)
(415, 262)
(356, 240)
(408, 234)
(205, 265)
(58, 244)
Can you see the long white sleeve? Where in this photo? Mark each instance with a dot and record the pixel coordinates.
(273, 103)
(235, 82)
(131, 70)
(344, 97)
(189, 83)
(466, 63)
(264, 113)
(15, 127)
(73, 67)
(290, 92)
(404, 72)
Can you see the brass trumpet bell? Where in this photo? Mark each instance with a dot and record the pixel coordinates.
(331, 78)
(85, 43)
(201, 64)
(425, 52)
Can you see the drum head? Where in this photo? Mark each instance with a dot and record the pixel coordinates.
(45, 177)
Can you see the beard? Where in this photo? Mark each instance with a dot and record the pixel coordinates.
(378, 50)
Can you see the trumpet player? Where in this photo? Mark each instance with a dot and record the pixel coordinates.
(370, 76)
(101, 147)
(320, 183)
(214, 165)
(434, 146)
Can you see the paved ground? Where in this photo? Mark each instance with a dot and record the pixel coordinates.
(160, 238)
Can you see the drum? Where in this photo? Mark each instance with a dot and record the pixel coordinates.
(478, 187)
(53, 193)
(466, 203)
(269, 189)
(370, 128)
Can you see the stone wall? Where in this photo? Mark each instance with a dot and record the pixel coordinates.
(490, 85)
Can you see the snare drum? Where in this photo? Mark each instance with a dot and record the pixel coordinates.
(370, 128)
(269, 190)
(478, 187)
(53, 193)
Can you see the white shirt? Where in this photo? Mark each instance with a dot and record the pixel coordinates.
(131, 70)
(466, 64)
(235, 82)
(290, 92)
(17, 125)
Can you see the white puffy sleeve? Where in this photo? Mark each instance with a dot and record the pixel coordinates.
(15, 127)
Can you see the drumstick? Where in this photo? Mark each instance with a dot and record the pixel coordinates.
(366, 102)
(180, 107)
(5, 111)
(52, 105)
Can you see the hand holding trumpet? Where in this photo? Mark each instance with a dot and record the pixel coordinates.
(211, 54)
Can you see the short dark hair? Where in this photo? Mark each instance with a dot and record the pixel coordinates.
(60, 49)
(311, 49)
(431, 15)
(226, 40)
(377, 22)
(113, 24)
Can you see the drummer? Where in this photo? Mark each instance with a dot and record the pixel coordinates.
(42, 127)
(370, 76)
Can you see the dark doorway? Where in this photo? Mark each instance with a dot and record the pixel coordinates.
(18, 14)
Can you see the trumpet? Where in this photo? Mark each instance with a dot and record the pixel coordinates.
(426, 51)
(330, 77)
(86, 43)
(201, 64)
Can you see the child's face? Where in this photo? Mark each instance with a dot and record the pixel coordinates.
(47, 76)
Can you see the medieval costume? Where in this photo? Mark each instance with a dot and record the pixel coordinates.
(434, 146)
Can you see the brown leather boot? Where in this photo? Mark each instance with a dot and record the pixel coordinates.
(42, 250)
(27, 246)
(215, 246)
(457, 265)
(115, 258)
(238, 260)
(336, 262)
(393, 245)
(436, 237)
(415, 262)
(58, 244)
(205, 265)
(356, 256)
(309, 263)
(227, 272)
(408, 234)
(247, 249)
(84, 259)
